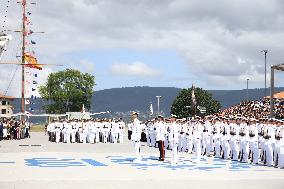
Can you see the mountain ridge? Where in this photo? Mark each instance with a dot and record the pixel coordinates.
(139, 98)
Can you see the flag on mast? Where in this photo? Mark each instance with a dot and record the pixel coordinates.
(83, 110)
(193, 99)
(151, 109)
(31, 62)
(27, 102)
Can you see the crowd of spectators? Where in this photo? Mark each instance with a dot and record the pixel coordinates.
(256, 109)
(13, 129)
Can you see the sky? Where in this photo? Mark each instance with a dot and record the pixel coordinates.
(213, 44)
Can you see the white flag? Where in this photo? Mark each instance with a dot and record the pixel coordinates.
(193, 96)
(27, 102)
(83, 110)
(28, 113)
(151, 109)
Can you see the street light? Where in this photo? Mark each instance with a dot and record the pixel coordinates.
(247, 90)
(265, 58)
(158, 98)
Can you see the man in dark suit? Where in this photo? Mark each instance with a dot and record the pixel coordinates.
(1, 129)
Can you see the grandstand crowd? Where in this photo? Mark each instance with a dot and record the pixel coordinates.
(257, 109)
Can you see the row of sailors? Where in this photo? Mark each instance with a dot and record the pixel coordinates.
(238, 139)
(86, 131)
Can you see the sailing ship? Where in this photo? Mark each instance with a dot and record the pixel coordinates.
(28, 59)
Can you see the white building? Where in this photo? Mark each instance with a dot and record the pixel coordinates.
(6, 107)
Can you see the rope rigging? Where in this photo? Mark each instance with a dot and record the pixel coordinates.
(4, 24)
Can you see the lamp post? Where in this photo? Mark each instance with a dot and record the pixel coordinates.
(265, 62)
(158, 98)
(247, 90)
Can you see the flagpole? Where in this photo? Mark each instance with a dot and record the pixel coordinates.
(23, 104)
(193, 100)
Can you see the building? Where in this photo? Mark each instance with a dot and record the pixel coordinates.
(6, 106)
(277, 96)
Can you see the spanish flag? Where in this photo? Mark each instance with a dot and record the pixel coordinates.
(32, 62)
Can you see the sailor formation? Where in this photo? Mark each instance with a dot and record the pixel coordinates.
(231, 138)
(86, 131)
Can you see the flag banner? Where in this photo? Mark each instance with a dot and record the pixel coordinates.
(83, 111)
(193, 96)
(151, 109)
(27, 102)
(33, 97)
(28, 113)
(32, 62)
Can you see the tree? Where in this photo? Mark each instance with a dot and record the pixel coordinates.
(67, 91)
(182, 105)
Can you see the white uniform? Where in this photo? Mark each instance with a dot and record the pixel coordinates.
(68, 131)
(244, 142)
(280, 147)
(121, 131)
(225, 141)
(174, 139)
(189, 138)
(136, 137)
(234, 141)
(92, 133)
(57, 130)
(105, 131)
(97, 131)
(206, 139)
(114, 132)
(253, 143)
(197, 131)
(269, 134)
(216, 138)
(82, 134)
(74, 129)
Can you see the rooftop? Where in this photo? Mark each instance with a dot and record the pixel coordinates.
(6, 97)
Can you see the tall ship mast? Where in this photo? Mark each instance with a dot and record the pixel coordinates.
(28, 61)
(24, 33)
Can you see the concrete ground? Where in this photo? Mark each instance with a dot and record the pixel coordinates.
(37, 163)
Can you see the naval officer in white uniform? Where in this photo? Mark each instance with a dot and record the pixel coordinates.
(174, 139)
(136, 136)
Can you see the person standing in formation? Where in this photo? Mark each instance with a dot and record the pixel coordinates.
(174, 132)
(136, 136)
(161, 132)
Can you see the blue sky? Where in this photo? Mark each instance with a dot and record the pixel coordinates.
(170, 67)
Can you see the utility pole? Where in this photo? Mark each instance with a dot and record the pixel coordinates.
(158, 98)
(265, 63)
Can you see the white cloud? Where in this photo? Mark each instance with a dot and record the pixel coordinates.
(138, 69)
(211, 36)
(84, 65)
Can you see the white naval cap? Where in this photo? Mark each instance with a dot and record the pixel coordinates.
(135, 113)
(173, 116)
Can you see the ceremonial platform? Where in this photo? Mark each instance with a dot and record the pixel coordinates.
(37, 163)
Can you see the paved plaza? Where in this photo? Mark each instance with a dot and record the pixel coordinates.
(37, 163)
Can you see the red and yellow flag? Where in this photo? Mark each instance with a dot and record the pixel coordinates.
(32, 62)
